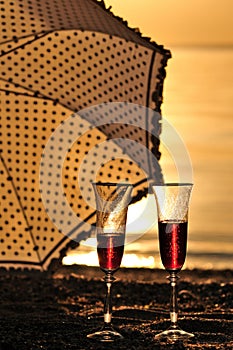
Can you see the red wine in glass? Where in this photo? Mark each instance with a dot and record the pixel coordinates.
(110, 249)
(112, 201)
(173, 243)
(172, 200)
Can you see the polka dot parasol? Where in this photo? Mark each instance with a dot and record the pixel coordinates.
(80, 102)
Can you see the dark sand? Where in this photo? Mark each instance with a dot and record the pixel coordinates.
(42, 310)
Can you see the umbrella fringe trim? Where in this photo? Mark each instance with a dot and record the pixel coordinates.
(160, 48)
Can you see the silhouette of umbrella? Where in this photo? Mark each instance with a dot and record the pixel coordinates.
(59, 59)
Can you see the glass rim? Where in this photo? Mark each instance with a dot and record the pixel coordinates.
(111, 183)
(174, 184)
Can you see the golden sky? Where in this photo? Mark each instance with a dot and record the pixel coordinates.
(179, 22)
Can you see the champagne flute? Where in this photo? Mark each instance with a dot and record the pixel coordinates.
(112, 202)
(172, 201)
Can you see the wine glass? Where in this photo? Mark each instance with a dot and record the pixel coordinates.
(112, 200)
(172, 201)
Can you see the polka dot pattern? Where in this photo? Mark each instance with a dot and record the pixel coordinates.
(26, 230)
(31, 17)
(58, 58)
(80, 69)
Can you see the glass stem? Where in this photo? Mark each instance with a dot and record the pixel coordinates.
(173, 303)
(108, 279)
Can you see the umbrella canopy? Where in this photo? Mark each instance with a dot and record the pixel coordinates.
(59, 60)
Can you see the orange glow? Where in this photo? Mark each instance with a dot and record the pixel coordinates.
(172, 22)
(90, 259)
(142, 216)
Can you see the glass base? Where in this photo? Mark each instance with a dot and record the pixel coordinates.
(106, 334)
(173, 334)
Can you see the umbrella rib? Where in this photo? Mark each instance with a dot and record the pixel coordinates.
(16, 38)
(9, 178)
(35, 37)
(67, 236)
(35, 94)
(26, 94)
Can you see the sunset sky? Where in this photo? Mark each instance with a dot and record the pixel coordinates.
(179, 22)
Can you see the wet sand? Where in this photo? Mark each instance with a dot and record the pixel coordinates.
(56, 310)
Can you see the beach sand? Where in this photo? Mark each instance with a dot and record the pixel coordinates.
(56, 310)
